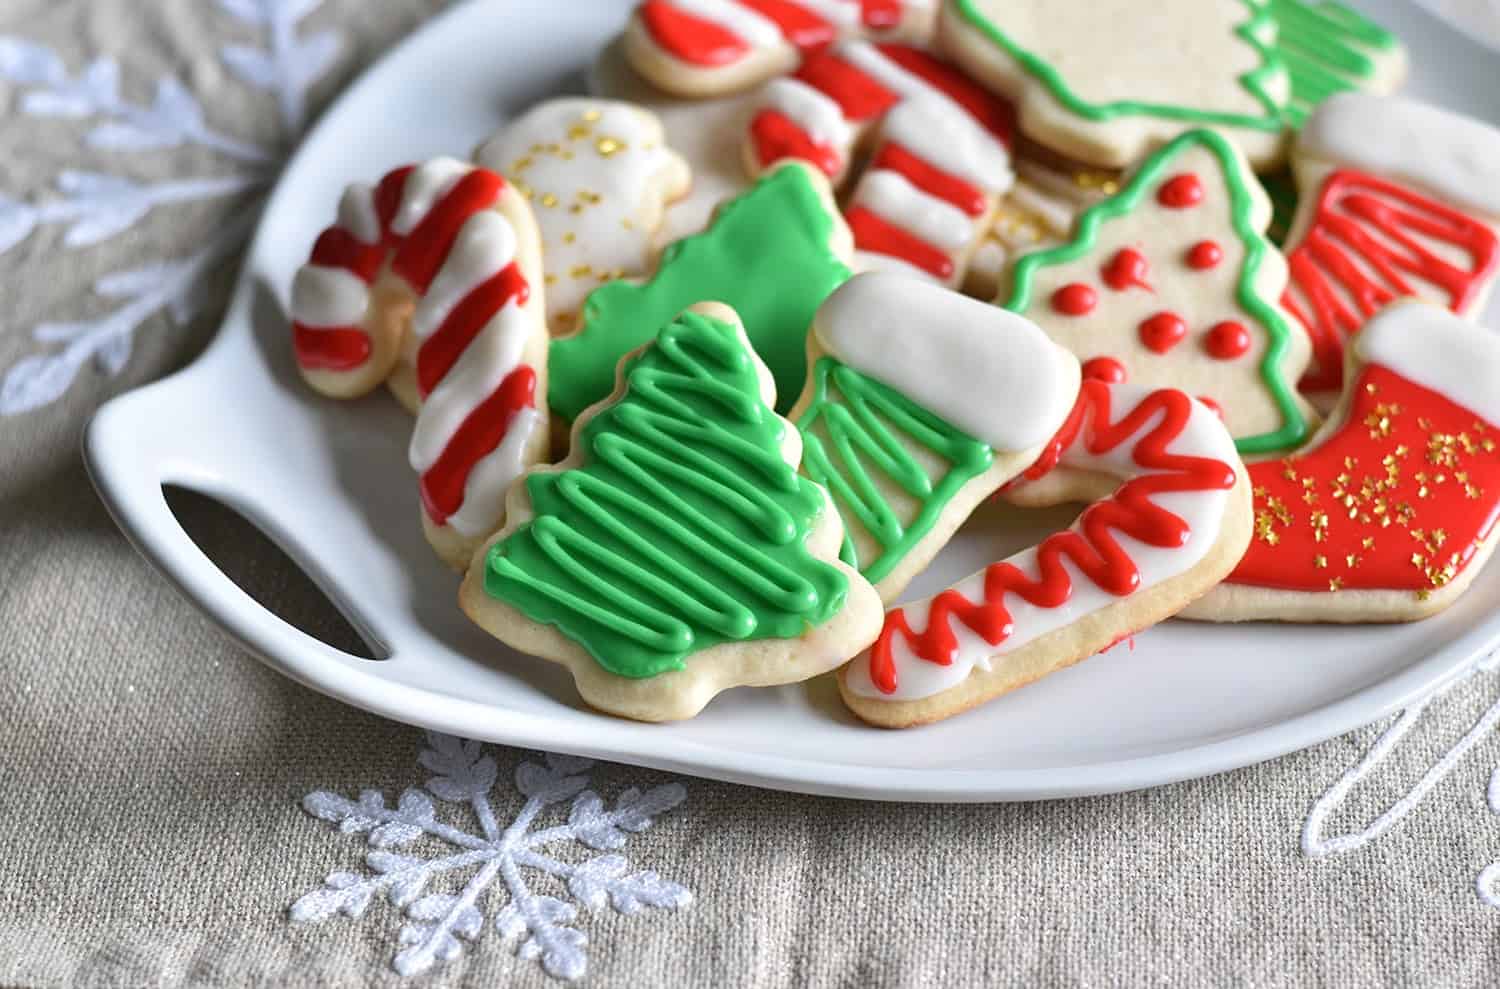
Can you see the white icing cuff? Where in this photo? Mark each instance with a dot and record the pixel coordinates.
(1433, 348)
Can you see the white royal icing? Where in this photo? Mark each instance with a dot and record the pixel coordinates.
(484, 491)
(984, 370)
(425, 187)
(946, 136)
(752, 27)
(895, 199)
(357, 213)
(1203, 511)
(843, 14)
(1454, 157)
(328, 298)
(1433, 348)
(817, 114)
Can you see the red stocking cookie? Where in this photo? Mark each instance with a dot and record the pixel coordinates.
(1391, 514)
(1176, 525)
(712, 47)
(440, 261)
(1398, 200)
(938, 158)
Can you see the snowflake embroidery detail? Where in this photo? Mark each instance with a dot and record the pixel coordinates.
(437, 923)
(95, 206)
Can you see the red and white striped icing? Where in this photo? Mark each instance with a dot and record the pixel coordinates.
(939, 163)
(720, 33)
(435, 229)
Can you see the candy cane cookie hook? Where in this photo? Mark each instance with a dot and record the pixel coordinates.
(437, 266)
(1178, 522)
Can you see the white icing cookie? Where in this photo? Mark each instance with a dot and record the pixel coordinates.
(599, 177)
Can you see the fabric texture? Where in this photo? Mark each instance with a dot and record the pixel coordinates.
(156, 827)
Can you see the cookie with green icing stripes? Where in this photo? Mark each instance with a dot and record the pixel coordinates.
(921, 403)
(1172, 283)
(1329, 48)
(677, 551)
(773, 254)
(1103, 82)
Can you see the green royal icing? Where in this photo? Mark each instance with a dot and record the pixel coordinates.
(1258, 31)
(1295, 427)
(1325, 48)
(863, 420)
(766, 255)
(683, 528)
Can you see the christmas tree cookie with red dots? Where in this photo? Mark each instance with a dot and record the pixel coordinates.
(1390, 515)
(1172, 283)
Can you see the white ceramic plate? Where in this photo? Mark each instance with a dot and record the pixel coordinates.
(329, 483)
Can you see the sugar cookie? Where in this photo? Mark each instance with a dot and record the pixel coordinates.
(1390, 515)
(676, 552)
(1330, 48)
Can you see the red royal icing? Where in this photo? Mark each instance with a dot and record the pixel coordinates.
(1398, 499)
(880, 15)
(1127, 269)
(1163, 331)
(860, 96)
(931, 179)
(1105, 369)
(1213, 406)
(806, 31)
(1367, 236)
(879, 236)
(1074, 299)
(1093, 549)
(339, 348)
(1180, 191)
(691, 39)
(1204, 255)
(464, 322)
(991, 112)
(481, 432)
(777, 136)
(1227, 340)
(422, 252)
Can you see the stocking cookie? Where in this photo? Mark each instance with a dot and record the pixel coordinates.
(1177, 523)
(439, 261)
(1103, 82)
(676, 552)
(773, 254)
(1398, 200)
(713, 47)
(1171, 282)
(599, 177)
(1391, 514)
(937, 142)
(921, 402)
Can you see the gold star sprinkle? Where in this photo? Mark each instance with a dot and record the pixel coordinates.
(607, 146)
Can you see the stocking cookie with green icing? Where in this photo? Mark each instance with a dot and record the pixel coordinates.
(1104, 81)
(1172, 283)
(773, 254)
(676, 552)
(920, 403)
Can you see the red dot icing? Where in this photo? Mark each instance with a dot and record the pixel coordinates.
(1204, 255)
(1105, 369)
(1227, 340)
(1180, 191)
(1163, 331)
(1075, 299)
(1128, 268)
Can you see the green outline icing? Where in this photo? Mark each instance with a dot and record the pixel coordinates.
(683, 527)
(1258, 32)
(859, 437)
(1295, 429)
(1324, 47)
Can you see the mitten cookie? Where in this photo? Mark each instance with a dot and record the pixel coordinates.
(937, 150)
(712, 47)
(1178, 522)
(1171, 283)
(773, 255)
(1398, 200)
(921, 402)
(1102, 82)
(676, 552)
(599, 177)
(1391, 514)
(440, 262)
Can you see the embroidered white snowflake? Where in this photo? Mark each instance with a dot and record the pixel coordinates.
(437, 923)
(95, 206)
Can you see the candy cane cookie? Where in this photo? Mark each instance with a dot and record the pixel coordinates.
(1398, 199)
(1175, 526)
(937, 141)
(1390, 514)
(440, 262)
(712, 47)
(921, 402)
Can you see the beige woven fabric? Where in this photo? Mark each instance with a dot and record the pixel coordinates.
(151, 773)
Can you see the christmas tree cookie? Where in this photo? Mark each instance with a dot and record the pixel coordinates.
(773, 254)
(1172, 283)
(1103, 82)
(676, 552)
(921, 403)
(1391, 515)
(1329, 48)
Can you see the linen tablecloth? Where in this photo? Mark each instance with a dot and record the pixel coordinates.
(174, 813)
